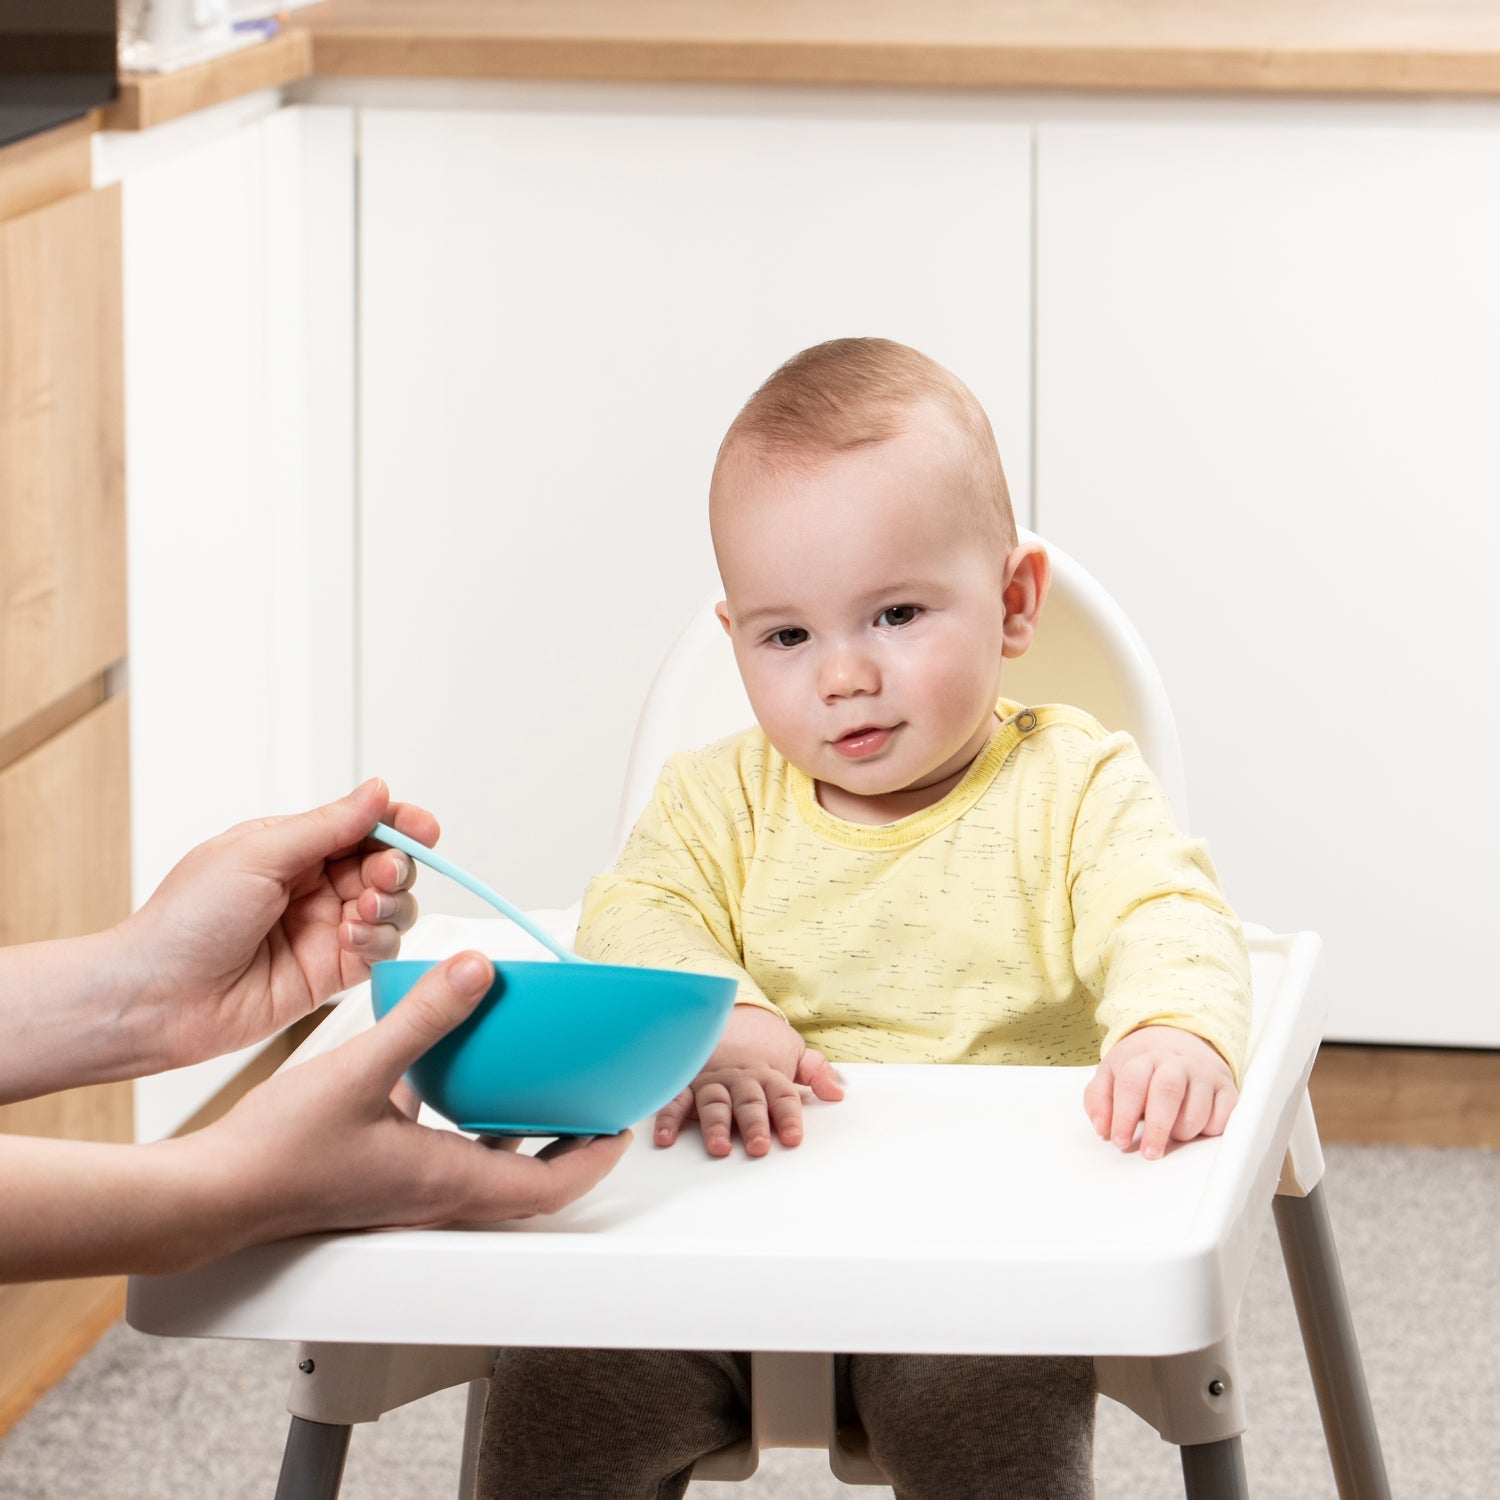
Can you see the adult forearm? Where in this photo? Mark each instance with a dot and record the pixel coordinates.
(70, 1014)
(83, 1208)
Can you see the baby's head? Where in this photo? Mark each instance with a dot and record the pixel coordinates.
(872, 575)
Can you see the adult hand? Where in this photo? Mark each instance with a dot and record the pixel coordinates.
(318, 1146)
(752, 1082)
(1174, 1081)
(257, 927)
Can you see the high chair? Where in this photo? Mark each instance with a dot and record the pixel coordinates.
(641, 1262)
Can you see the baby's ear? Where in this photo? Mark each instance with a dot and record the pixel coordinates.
(721, 609)
(1028, 574)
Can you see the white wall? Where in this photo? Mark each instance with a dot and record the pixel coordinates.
(565, 299)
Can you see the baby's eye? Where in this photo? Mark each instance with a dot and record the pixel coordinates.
(793, 635)
(899, 614)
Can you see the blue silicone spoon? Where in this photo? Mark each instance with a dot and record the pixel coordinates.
(424, 855)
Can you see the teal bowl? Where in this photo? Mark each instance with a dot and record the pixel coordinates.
(564, 1049)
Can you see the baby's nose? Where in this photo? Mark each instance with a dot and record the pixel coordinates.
(847, 670)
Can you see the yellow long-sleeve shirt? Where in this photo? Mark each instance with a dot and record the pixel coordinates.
(1036, 914)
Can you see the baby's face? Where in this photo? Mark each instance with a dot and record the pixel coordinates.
(866, 611)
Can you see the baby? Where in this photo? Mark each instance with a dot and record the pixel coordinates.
(897, 864)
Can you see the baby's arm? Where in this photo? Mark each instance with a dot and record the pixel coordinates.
(752, 1081)
(1155, 939)
(1174, 1081)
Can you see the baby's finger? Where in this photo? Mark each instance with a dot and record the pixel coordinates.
(1131, 1084)
(670, 1117)
(1099, 1099)
(752, 1116)
(1169, 1086)
(785, 1104)
(715, 1117)
(1196, 1108)
(815, 1072)
(1225, 1098)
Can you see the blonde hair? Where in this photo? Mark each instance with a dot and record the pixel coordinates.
(852, 393)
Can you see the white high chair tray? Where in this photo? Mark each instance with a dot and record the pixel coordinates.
(933, 1210)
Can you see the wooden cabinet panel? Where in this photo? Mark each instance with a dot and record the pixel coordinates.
(65, 831)
(62, 508)
(65, 870)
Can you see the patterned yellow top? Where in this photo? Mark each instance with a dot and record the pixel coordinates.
(1044, 908)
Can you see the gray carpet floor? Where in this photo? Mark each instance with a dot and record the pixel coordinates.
(1419, 1237)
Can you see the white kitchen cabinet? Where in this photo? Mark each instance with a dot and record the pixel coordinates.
(565, 298)
(239, 337)
(1267, 396)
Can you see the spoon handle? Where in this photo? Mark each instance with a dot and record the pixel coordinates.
(435, 861)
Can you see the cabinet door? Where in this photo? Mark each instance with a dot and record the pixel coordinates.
(239, 379)
(564, 302)
(62, 510)
(1266, 402)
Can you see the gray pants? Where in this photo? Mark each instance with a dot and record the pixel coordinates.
(621, 1424)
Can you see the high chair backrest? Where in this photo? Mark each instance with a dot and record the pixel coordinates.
(1086, 653)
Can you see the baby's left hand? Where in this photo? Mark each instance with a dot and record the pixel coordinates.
(1172, 1079)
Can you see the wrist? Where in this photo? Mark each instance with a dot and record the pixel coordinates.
(141, 1004)
(71, 1015)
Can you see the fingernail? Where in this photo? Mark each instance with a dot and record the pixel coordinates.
(470, 975)
(385, 906)
(366, 786)
(358, 934)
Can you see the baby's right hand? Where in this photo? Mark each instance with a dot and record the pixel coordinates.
(753, 1081)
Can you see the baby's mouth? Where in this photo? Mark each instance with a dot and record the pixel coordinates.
(862, 742)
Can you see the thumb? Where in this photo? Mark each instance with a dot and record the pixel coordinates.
(439, 1001)
(815, 1072)
(302, 839)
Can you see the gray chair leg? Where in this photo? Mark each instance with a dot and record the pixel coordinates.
(468, 1467)
(1214, 1471)
(1312, 1266)
(312, 1466)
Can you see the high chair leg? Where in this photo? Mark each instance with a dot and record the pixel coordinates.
(312, 1465)
(468, 1467)
(1312, 1266)
(1214, 1471)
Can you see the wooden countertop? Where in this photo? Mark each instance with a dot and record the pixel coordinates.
(1380, 46)
(1244, 46)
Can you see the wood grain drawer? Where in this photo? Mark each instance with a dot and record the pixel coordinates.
(65, 831)
(62, 487)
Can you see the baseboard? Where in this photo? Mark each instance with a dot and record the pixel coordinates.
(1407, 1096)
